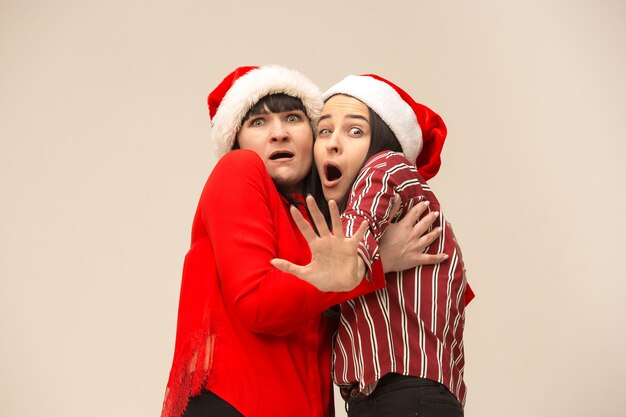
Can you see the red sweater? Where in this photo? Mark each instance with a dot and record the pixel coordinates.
(251, 334)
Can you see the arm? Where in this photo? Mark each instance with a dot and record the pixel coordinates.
(239, 216)
(335, 265)
(371, 199)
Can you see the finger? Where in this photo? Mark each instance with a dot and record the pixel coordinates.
(358, 236)
(394, 206)
(317, 216)
(304, 226)
(288, 267)
(428, 259)
(415, 213)
(335, 218)
(425, 223)
(424, 241)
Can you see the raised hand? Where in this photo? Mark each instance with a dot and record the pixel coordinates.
(335, 264)
(403, 243)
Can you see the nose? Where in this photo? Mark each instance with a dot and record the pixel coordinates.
(279, 132)
(333, 144)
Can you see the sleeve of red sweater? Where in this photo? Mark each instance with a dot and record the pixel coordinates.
(237, 214)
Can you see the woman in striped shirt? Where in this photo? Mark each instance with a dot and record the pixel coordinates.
(398, 350)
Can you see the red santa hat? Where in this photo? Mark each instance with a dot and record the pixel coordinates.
(420, 131)
(244, 87)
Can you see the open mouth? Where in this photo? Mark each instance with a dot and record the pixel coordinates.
(281, 155)
(332, 172)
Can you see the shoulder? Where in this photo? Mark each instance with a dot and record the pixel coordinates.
(388, 161)
(239, 168)
(387, 167)
(241, 163)
(240, 159)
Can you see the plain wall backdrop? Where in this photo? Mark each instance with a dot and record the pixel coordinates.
(104, 149)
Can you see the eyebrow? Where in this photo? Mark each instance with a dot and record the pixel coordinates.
(357, 116)
(348, 116)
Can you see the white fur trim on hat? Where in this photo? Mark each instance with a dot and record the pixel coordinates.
(387, 103)
(248, 89)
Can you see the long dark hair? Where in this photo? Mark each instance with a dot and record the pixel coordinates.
(279, 103)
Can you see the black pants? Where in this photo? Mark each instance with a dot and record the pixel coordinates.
(208, 404)
(404, 396)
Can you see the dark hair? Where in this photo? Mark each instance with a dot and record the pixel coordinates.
(383, 139)
(279, 103)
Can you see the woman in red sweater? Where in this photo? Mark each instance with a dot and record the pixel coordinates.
(252, 340)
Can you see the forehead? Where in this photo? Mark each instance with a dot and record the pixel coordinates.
(342, 105)
(266, 110)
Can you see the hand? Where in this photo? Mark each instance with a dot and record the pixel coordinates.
(403, 243)
(335, 264)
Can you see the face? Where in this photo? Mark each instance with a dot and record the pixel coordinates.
(284, 141)
(343, 140)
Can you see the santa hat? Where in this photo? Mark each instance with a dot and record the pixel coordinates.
(244, 87)
(420, 131)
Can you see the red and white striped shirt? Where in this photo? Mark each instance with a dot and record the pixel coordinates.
(414, 326)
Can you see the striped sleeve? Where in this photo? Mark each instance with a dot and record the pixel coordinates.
(370, 200)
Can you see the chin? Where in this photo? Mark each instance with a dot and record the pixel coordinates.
(332, 196)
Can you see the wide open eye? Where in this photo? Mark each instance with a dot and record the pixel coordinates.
(355, 131)
(323, 131)
(294, 118)
(258, 121)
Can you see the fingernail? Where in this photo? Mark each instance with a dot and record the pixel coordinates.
(436, 213)
(445, 256)
(439, 229)
(427, 203)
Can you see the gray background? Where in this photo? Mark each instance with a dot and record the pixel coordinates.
(104, 149)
